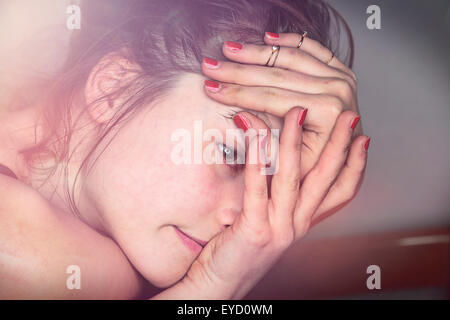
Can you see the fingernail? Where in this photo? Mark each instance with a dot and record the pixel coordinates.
(355, 122)
(211, 85)
(210, 63)
(272, 35)
(233, 46)
(366, 145)
(302, 116)
(241, 122)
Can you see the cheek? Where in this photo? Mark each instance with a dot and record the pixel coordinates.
(163, 190)
(190, 191)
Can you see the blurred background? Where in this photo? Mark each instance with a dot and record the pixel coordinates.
(400, 220)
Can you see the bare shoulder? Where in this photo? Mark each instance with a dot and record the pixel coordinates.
(16, 194)
(41, 247)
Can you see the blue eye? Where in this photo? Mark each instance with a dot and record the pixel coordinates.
(227, 151)
(231, 155)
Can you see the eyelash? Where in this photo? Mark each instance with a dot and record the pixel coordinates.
(236, 167)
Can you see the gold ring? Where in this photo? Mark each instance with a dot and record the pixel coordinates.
(305, 33)
(274, 49)
(331, 58)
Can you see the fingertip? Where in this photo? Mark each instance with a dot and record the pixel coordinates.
(366, 144)
(302, 116)
(212, 86)
(271, 35)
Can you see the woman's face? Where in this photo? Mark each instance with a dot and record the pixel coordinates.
(143, 198)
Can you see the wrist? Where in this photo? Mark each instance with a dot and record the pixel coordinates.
(187, 288)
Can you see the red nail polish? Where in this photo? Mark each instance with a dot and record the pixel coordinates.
(302, 116)
(212, 63)
(234, 46)
(212, 85)
(366, 145)
(355, 122)
(241, 122)
(272, 35)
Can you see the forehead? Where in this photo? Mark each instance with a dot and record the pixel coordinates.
(190, 93)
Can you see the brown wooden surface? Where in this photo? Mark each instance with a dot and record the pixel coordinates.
(336, 268)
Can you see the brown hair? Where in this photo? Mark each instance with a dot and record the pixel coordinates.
(166, 38)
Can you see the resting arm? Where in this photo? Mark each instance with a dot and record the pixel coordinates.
(38, 243)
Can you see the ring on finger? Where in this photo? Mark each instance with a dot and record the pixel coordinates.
(276, 51)
(305, 33)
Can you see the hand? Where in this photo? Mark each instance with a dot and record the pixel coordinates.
(236, 259)
(301, 77)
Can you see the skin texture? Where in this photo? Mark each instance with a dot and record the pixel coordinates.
(135, 194)
(125, 197)
(300, 77)
(135, 208)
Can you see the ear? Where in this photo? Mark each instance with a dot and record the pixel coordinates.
(102, 91)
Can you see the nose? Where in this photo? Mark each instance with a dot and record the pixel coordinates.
(230, 205)
(226, 217)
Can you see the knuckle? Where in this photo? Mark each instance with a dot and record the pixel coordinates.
(348, 115)
(263, 50)
(353, 75)
(291, 52)
(302, 227)
(259, 236)
(253, 233)
(335, 105)
(232, 93)
(324, 171)
(284, 239)
(234, 90)
(343, 89)
(238, 67)
(347, 191)
(352, 82)
(291, 183)
(255, 192)
(261, 239)
(277, 76)
(348, 194)
(270, 93)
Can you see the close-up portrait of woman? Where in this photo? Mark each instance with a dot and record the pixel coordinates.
(221, 150)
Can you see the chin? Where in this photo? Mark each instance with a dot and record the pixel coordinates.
(163, 274)
(166, 280)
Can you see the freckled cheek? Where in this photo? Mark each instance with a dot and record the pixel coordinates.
(172, 192)
(190, 190)
(158, 187)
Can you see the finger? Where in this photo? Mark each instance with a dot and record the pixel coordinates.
(311, 46)
(286, 181)
(260, 127)
(319, 180)
(288, 58)
(323, 110)
(255, 183)
(254, 75)
(348, 182)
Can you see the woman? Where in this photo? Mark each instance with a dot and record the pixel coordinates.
(98, 187)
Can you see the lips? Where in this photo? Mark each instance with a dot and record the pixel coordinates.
(200, 242)
(194, 245)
